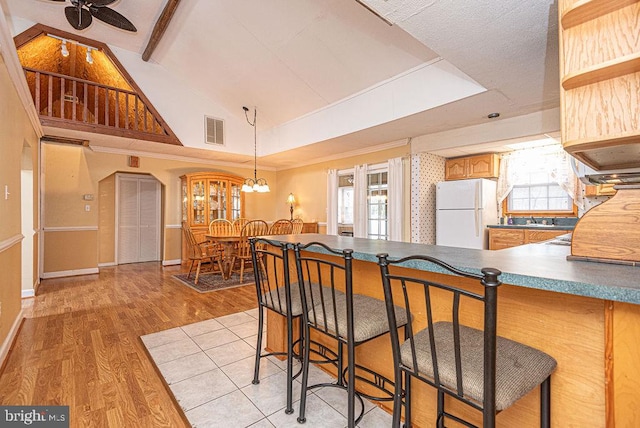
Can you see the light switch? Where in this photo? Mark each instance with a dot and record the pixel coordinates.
(87, 208)
(6, 192)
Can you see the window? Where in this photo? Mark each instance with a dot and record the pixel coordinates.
(537, 193)
(377, 205)
(346, 200)
(370, 196)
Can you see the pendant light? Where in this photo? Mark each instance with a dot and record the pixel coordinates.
(254, 184)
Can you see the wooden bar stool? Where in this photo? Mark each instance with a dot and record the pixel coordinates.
(351, 319)
(476, 367)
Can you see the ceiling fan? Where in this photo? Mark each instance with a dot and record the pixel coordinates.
(80, 14)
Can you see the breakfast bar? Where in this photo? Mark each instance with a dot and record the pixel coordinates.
(585, 315)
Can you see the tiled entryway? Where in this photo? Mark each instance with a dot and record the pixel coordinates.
(209, 368)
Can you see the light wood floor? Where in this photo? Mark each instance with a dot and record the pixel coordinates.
(79, 344)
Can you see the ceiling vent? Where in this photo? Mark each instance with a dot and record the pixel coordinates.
(214, 130)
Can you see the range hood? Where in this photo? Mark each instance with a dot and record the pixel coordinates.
(588, 175)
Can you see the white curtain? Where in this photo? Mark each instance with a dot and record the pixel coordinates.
(395, 198)
(332, 202)
(360, 204)
(515, 167)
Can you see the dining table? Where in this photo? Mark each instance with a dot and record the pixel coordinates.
(228, 243)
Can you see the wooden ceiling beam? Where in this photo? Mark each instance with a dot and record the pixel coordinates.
(160, 28)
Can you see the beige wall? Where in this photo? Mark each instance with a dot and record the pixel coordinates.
(309, 183)
(72, 171)
(15, 132)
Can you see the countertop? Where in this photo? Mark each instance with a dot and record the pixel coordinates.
(530, 226)
(541, 266)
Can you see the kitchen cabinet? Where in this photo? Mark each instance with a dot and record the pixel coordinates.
(500, 238)
(600, 190)
(478, 166)
(207, 196)
(600, 81)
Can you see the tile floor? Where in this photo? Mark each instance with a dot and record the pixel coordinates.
(209, 367)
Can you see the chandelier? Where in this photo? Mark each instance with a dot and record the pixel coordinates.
(254, 184)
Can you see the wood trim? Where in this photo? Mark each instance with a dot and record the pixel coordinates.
(609, 395)
(505, 211)
(108, 130)
(160, 28)
(10, 242)
(38, 29)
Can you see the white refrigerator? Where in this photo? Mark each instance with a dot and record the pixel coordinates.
(464, 208)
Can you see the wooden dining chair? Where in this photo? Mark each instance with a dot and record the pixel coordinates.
(297, 225)
(200, 252)
(238, 224)
(221, 227)
(242, 254)
(281, 227)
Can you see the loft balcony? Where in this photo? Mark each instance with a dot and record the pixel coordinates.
(78, 84)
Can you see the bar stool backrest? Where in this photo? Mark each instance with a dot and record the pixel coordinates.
(322, 281)
(416, 294)
(271, 271)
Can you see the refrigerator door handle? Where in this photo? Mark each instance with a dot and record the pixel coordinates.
(477, 208)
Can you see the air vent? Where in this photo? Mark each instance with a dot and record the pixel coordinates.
(214, 130)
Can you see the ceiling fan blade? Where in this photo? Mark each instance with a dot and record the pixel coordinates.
(112, 17)
(78, 17)
(99, 3)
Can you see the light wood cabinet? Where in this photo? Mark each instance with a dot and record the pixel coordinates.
(600, 76)
(600, 190)
(207, 196)
(512, 237)
(479, 166)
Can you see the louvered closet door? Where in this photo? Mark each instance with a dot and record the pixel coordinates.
(138, 219)
(149, 220)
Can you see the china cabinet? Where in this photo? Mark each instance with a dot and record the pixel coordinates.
(207, 196)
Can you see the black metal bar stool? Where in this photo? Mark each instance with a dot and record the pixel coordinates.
(271, 271)
(352, 319)
(476, 367)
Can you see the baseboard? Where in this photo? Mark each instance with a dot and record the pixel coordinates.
(30, 292)
(108, 264)
(171, 262)
(6, 345)
(75, 272)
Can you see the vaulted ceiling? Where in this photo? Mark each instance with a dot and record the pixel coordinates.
(326, 76)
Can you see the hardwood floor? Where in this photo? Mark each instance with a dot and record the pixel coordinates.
(79, 344)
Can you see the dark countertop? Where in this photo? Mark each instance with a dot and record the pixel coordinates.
(530, 226)
(541, 266)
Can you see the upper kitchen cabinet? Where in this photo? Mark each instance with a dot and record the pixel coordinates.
(600, 76)
(479, 166)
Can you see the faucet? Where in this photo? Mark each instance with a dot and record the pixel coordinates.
(533, 220)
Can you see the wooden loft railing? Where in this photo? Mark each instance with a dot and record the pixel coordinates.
(72, 103)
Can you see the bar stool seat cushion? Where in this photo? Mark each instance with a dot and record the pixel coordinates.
(276, 299)
(369, 317)
(519, 368)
